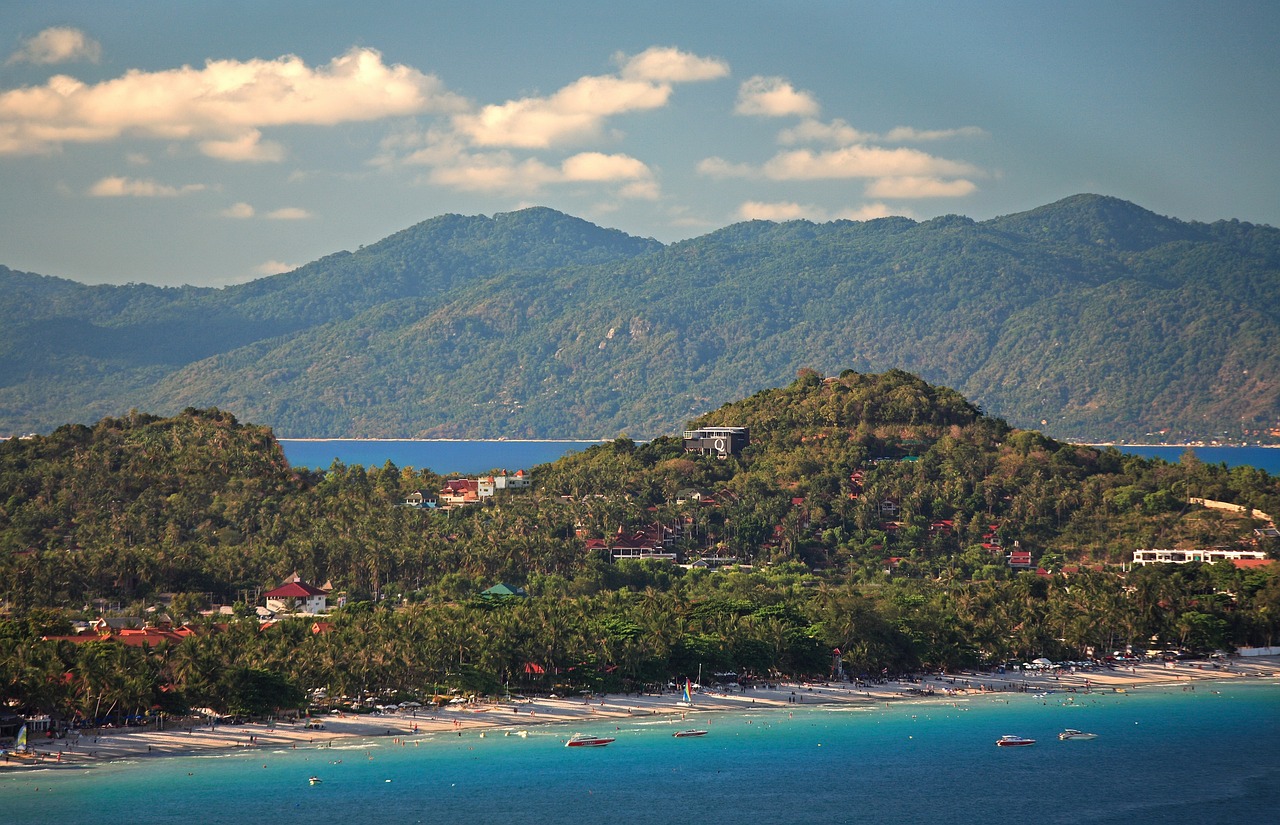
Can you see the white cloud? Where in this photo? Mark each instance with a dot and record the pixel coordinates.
(860, 161)
(920, 187)
(503, 172)
(505, 147)
(244, 211)
(247, 147)
(641, 190)
(893, 172)
(773, 97)
(493, 172)
(220, 104)
(59, 44)
(596, 166)
(239, 211)
(663, 64)
(785, 211)
(720, 168)
(840, 133)
(578, 111)
(871, 211)
(574, 113)
(288, 213)
(791, 211)
(835, 133)
(906, 134)
(274, 268)
(120, 187)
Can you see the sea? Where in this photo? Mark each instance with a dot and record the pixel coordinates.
(480, 456)
(1264, 458)
(440, 456)
(1163, 755)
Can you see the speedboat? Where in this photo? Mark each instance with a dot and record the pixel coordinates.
(1072, 733)
(687, 734)
(315, 780)
(1011, 741)
(583, 740)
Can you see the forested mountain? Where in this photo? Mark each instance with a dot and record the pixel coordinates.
(1090, 319)
(874, 513)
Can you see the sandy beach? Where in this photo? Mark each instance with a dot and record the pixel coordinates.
(574, 714)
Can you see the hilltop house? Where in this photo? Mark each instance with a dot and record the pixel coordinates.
(720, 442)
(1019, 559)
(420, 498)
(296, 596)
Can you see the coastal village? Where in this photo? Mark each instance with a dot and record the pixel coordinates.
(298, 600)
(681, 538)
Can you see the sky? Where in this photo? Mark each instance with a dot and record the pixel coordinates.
(212, 143)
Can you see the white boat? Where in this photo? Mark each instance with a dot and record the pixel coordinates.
(583, 740)
(689, 734)
(1011, 741)
(1072, 733)
(315, 780)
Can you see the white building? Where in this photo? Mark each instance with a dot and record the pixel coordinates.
(1208, 556)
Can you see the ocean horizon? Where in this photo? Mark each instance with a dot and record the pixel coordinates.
(444, 456)
(1205, 753)
(472, 456)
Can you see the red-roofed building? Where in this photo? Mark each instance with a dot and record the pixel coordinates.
(654, 542)
(457, 492)
(130, 636)
(296, 596)
(942, 527)
(1252, 564)
(1020, 558)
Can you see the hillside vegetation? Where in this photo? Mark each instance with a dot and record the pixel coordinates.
(175, 514)
(1090, 319)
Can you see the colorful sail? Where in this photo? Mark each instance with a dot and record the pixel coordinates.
(688, 694)
(20, 744)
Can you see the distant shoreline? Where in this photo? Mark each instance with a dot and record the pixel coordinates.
(456, 440)
(1188, 445)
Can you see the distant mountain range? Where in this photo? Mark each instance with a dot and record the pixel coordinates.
(1089, 319)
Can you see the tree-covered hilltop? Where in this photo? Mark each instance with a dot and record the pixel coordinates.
(874, 513)
(1090, 319)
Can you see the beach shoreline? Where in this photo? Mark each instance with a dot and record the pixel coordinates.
(109, 745)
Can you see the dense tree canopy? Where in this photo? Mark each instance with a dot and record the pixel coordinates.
(870, 514)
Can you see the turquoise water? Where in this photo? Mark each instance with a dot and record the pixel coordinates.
(444, 457)
(482, 456)
(1161, 756)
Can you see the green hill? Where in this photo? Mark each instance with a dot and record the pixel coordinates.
(1090, 318)
(874, 513)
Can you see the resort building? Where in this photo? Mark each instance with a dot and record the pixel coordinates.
(296, 596)
(654, 542)
(458, 492)
(1208, 556)
(720, 442)
(420, 498)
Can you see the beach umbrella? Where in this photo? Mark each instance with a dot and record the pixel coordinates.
(1043, 662)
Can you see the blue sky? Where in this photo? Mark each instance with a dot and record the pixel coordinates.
(213, 143)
